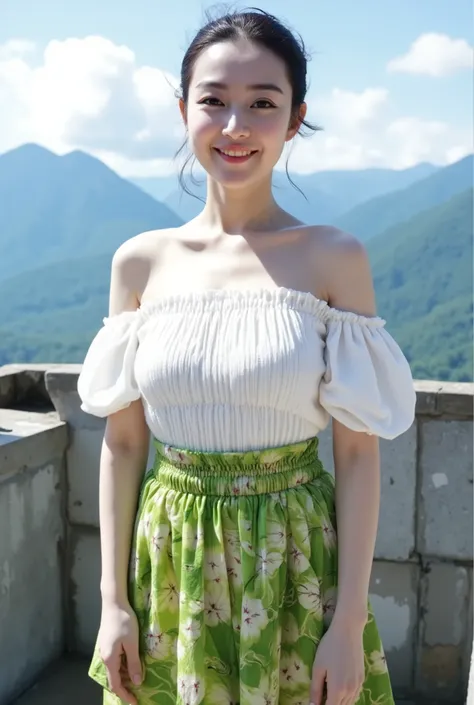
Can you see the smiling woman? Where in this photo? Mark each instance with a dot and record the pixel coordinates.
(213, 75)
(241, 578)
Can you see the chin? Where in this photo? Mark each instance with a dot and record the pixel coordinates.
(234, 176)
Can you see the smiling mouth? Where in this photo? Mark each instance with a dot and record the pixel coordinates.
(235, 155)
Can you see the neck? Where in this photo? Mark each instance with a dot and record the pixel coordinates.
(239, 210)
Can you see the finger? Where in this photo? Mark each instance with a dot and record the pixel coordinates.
(353, 699)
(113, 665)
(134, 666)
(335, 696)
(317, 686)
(349, 699)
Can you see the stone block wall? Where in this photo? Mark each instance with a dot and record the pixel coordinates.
(421, 587)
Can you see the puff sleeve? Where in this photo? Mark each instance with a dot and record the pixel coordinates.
(107, 382)
(367, 385)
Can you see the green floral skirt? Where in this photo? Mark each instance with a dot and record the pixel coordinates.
(233, 578)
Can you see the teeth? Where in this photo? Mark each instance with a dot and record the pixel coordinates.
(232, 153)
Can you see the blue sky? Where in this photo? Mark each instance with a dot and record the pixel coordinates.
(352, 45)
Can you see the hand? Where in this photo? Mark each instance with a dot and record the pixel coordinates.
(118, 648)
(339, 665)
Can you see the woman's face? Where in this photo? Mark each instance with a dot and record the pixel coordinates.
(238, 112)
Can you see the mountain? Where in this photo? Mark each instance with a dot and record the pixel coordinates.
(423, 276)
(353, 187)
(328, 193)
(51, 313)
(308, 204)
(378, 214)
(54, 208)
(423, 280)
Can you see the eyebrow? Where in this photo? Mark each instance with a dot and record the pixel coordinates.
(254, 87)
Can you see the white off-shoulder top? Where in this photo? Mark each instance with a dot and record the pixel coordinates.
(242, 370)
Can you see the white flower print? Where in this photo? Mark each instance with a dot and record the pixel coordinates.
(293, 671)
(159, 537)
(146, 597)
(254, 617)
(297, 561)
(220, 695)
(193, 606)
(158, 644)
(265, 694)
(378, 663)
(215, 568)
(309, 596)
(280, 498)
(177, 456)
(168, 596)
(329, 535)
(329, 605)
(242, 485)
(301, 478)
(232, 541)
(268, 562)
(174, 512)
(276, 535)
(216, 605)
(291, 631)
(192, 537)
(234, 570)
(190, 689)
(247, 546)
(191, 630)
(232, 556)
(144, 524)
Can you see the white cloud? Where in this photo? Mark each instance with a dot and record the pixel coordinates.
(92, 94)
(89, 94)
(15, 48)
(360, 132)
(434, 55)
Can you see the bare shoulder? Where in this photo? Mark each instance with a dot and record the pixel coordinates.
(132, 265)
(347, 275)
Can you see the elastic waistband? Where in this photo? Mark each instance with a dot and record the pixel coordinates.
(237, 473)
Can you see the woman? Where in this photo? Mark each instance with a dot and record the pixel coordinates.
(233, 339)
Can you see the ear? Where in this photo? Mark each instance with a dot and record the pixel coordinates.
(182, 110)
(295, 122)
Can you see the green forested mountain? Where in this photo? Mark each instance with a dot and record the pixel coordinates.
(328, 193)
(56, 208)
(378, 214)
(423, 275)
(309, 204)
(422, 267)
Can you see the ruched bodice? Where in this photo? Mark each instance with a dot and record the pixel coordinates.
(239, 370)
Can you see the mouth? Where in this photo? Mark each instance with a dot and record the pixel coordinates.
(235, 156)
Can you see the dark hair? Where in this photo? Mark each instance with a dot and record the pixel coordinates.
(264, 29)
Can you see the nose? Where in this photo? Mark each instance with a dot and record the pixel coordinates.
(235, 127)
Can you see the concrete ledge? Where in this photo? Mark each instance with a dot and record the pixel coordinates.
(20, 383)
(447, 399)
(29, 439)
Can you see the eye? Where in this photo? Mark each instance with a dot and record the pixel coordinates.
(210, 101)
(264, 103)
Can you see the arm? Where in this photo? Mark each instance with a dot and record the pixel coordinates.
(122, 463)
(123, 456)
(356, 456)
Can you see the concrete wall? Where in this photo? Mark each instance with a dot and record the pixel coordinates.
(32, 543)
(421, 587)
